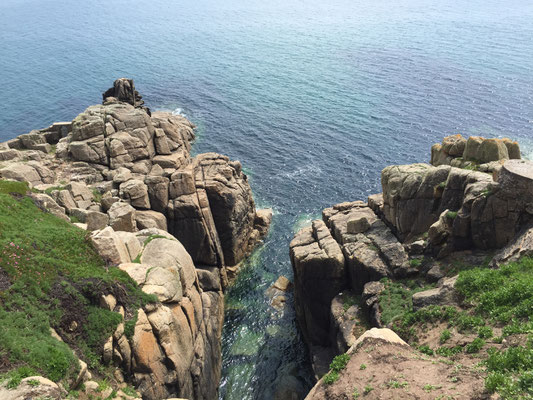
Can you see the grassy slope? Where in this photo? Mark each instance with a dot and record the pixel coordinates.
(50, 276)
(498, 300)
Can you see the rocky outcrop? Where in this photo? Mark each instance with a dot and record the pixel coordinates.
(382, 366)
(425, 213)
(126, 175)
(485, 154)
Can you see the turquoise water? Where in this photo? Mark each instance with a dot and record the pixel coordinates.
(314, 97)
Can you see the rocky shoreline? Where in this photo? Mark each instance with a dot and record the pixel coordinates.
(473, 205)
(125, 174)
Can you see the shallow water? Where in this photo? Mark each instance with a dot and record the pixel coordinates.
(314, 98)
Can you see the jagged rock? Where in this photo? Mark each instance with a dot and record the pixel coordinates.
(122, 217)
(136, 271)
(208, 280)
(342, 322)
(124, 90)
(166, 253)
(22, 172)
(521, 246)
(164, 283)
(131, 242)
(319, 275)
(150, 371)
(136, 192)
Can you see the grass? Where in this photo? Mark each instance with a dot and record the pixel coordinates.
(495, 298)
(368, 389)
(396, 299)
(349, 300)
(51, 277)
(337, 365)
(510, 371)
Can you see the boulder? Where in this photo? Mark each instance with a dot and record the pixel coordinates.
(150, 219)
(110, 247)
(122, 217)
(136, 192)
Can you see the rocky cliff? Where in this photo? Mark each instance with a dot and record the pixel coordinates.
(177, 225)
(472, 204)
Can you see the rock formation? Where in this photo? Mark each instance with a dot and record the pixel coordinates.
(425, 210)
(127, 175)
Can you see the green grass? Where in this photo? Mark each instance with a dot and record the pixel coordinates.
(368, 389)
(337, 365)
(349, 300)
(510, 371)
(54, 277)
(495, 298)
(396, 299)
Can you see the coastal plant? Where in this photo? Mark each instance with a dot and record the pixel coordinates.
(394, 384)
(475, 346)
(355, 394)
(362, 367)
(53, 277)
(451, 214)
(485, 332)
(415, 262)
(368, 389)
(337, 365)
(445, 336)
(426, 350)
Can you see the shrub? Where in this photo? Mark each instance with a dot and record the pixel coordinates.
(445, 336)
(475, 346)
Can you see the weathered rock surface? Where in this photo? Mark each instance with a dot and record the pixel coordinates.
(127, 175)
(425, 214)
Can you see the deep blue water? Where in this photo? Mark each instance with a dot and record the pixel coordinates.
(314, 97)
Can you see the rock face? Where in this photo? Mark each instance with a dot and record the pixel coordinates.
(127, 175)
(425, 212)
(328, 258)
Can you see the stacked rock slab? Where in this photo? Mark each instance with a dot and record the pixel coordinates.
(424, 209)
(458, 151)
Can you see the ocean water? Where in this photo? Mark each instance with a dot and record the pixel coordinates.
(313, 97)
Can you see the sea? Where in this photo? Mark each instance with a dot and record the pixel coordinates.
(314, 98)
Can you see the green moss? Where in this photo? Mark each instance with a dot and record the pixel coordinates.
(7, 187)
(451, 214)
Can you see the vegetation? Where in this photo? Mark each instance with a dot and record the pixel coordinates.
(451, 214)
(396, 299)
(50, 276)
(496, 299)
(337, 365)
